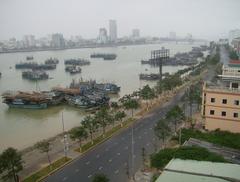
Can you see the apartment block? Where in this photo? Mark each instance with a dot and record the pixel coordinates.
(221, 108)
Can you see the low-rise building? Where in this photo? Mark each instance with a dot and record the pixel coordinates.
(178, 170)
(221, 107)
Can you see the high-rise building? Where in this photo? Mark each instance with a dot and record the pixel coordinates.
(233, 34)
(102, 38)
(112, 30)
(136, 33)
(57, 41)
(29, 41)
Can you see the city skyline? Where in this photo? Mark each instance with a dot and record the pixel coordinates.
(153, 18)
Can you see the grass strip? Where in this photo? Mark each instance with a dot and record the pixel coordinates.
(47, 170)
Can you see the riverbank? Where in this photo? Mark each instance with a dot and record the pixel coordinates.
(35, 160)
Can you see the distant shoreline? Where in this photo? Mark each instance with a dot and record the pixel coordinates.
(79, 47)
(90, 46)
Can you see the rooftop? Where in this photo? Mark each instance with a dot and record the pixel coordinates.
(179, 170)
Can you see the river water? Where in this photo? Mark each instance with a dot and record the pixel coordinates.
(20, 128)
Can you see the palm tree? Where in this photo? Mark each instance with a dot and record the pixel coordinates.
(103, 118)
(131, 104)
(44, 147)
(162, 130)
(78, 133)
(147, 93)
(100, 178)
(175, 115)
(90, 124)
(119, 116)
(10, 164)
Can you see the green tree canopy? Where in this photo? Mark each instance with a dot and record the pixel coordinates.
(162, 130)
(175, 115)
(131, 104)
(10, 164)
(90, 123)
(100, 178)
(78, 133)
(103, 118)
(44, 147)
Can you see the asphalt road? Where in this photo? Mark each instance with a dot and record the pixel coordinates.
(113, 157)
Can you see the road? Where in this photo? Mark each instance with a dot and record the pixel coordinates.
(113, 157)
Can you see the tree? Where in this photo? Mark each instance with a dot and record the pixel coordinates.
(119, 116)
(175, 115)
(78, 133)
(103, 118)
(44, 147)
(143, 156)
(131, 104)
(162, 130)
(10, 164)
(114, 105)
(90, 124)
(100, 178)
(147, 93)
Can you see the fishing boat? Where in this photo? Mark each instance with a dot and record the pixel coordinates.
(104, 56)
(78, 62)
(25, 100)
(29, 58)
(35, 75)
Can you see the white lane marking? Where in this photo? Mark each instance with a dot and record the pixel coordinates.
(76, 170)
(117, 171)
(97, 156)
(89, 176)
(118, 154)
(64, 179)
(110, 160)
(100, 168)
(150, 128)
(148, 144)
(88, 162)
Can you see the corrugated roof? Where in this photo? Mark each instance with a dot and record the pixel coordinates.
(179, 170)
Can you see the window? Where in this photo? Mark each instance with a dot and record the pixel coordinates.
(224, 101)
(235, 115)
(223, 113)
(212, 100)
(211, 112)
(236, 102)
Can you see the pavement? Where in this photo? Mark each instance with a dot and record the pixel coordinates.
(114, 157)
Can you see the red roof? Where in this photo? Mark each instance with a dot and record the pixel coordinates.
(234, 61)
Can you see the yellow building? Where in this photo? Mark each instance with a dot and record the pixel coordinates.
(221, 108)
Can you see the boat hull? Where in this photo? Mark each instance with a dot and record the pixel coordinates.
(28, 106)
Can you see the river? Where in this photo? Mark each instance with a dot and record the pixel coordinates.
(20, 128)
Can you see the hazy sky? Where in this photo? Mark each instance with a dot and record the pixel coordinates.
(202, 18)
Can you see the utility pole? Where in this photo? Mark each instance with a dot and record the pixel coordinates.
(132, 156)
(64, 138)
